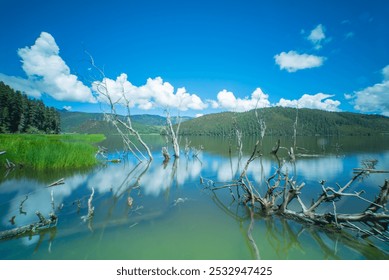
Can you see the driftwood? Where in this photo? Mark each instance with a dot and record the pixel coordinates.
(31, 229)
(281, 190)
(357, 170)
(91, 209)
(56, 183)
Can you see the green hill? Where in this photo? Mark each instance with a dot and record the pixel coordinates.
(82, 122)
(279, 122)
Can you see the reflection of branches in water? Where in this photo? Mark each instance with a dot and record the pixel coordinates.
(250, 236)
(240, 219)
(282, 191)
(21, 211)
(52, 232)
(328, 253)
(284, 239)
(281, 236)
(130, 182)
(123, 186)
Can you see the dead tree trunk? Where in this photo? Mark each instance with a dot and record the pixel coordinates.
(122, 124)
(173, 134)
(31, 229)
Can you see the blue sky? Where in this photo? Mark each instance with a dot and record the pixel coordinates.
(199, 56)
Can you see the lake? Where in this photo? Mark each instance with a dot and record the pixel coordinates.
(162, 211)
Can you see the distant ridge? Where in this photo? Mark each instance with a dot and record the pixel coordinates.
(83, 122)
(279, 122)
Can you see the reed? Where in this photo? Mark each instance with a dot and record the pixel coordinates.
(50, 151)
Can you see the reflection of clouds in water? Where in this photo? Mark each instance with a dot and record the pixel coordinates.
(30, 240)
(117, 178)
(228, 170)
(310, 169)
(159, 178)
(259, 172)
(39, 198)
(326, 168)
(112, 177)
(35, 198)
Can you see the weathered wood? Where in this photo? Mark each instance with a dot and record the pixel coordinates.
(165, 154)
(91, 209)
(31, 229)
(116, 120)
(356, 170)
(173, 134)
(56, 183)
(3, 152)
(282, 190)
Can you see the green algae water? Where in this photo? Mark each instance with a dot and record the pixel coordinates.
(162, 211)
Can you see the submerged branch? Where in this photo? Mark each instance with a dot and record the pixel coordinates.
(31, 229)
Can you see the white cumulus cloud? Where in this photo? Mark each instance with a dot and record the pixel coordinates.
(27, 86)
(227, 100)
(317, 101)
(42, 64)
(374, 98)
(317, 36)
(48, 73)
(155, 93)
(292, 61)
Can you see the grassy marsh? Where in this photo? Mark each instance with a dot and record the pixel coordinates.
(50, 151)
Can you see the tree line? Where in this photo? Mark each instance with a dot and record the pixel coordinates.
(280, 122)
(20, 114)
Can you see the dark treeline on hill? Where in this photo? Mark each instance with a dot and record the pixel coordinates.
(20, 114)
(280, 121)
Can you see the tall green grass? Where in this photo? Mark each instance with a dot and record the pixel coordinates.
(50, 151)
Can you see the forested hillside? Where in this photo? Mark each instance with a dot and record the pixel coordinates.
(95, 123)
(279, 121)
(20, 114)
(81, 122)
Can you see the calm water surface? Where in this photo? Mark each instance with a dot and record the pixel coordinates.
(172, 216)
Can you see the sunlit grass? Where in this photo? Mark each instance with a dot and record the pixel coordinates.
(50, 151)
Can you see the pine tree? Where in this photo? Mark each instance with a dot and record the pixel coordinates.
(19, 114)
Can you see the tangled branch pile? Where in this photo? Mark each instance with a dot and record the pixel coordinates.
(281, 190)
